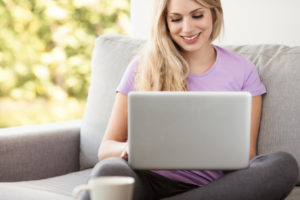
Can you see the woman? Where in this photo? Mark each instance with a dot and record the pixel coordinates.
(179, 56)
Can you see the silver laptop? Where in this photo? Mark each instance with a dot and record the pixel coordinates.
(189, 130)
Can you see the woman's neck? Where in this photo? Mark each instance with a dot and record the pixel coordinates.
(200, 61)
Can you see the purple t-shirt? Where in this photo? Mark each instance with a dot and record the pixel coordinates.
(230, 72)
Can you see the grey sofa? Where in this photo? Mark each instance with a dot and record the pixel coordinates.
(45, 162)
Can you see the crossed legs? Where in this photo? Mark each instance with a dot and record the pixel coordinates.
(268, 177)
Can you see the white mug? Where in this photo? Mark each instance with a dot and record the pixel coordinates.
(108, 188)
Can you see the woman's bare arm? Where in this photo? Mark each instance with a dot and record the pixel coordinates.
(255, 122)
(114, 140)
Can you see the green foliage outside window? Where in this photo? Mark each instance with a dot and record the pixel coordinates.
(46, 46)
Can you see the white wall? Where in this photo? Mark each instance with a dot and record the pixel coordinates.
(246, 21)
(140, 17)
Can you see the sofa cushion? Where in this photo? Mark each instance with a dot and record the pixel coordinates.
(279, 68)
(58, 188)
(294, 195)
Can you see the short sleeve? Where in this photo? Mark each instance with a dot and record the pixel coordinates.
(127, 82)
(252, 82)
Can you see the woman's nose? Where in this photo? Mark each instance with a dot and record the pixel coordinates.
(187, 26)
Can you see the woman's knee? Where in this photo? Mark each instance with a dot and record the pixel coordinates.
(281, 164)
(290, 165)
(111, 167)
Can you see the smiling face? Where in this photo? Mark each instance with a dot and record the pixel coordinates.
(190, 24)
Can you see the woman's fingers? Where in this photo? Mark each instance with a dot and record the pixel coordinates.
(124, 154)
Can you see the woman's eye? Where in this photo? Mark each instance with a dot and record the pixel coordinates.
(198, 16)
(175, 20)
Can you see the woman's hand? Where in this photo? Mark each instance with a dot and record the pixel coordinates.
(124, 154)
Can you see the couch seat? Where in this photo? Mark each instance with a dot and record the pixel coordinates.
(58, 188)
(295, 194)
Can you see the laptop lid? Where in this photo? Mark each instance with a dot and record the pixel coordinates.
(189, 130)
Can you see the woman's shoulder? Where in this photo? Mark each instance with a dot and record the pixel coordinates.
(127, 81)
(231, 57)
(243, 69)
(229, 53)
(132, 66)
(134, 61)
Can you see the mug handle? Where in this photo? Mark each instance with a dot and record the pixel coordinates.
(79, 188)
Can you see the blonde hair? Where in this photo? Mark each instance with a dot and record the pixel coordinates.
(162, 66)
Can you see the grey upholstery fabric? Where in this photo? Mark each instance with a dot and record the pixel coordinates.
(278, 67)
(110, 57)
(57, 188)
(294, 195)
(40, 151)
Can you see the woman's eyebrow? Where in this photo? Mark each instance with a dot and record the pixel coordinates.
(174, 13)
(196, 10)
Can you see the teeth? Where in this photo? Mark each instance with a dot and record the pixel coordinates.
(191, 38)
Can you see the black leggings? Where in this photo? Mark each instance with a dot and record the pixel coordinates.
(268, 177)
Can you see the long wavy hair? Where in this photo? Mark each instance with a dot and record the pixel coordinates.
(162, 67)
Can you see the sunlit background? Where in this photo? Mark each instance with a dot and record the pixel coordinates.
(45, 54)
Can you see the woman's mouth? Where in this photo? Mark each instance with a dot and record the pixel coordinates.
(191, 39)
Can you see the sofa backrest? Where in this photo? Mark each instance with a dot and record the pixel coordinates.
(110, 57)
(278, 66)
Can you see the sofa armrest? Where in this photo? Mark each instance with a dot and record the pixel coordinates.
(39, 151)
